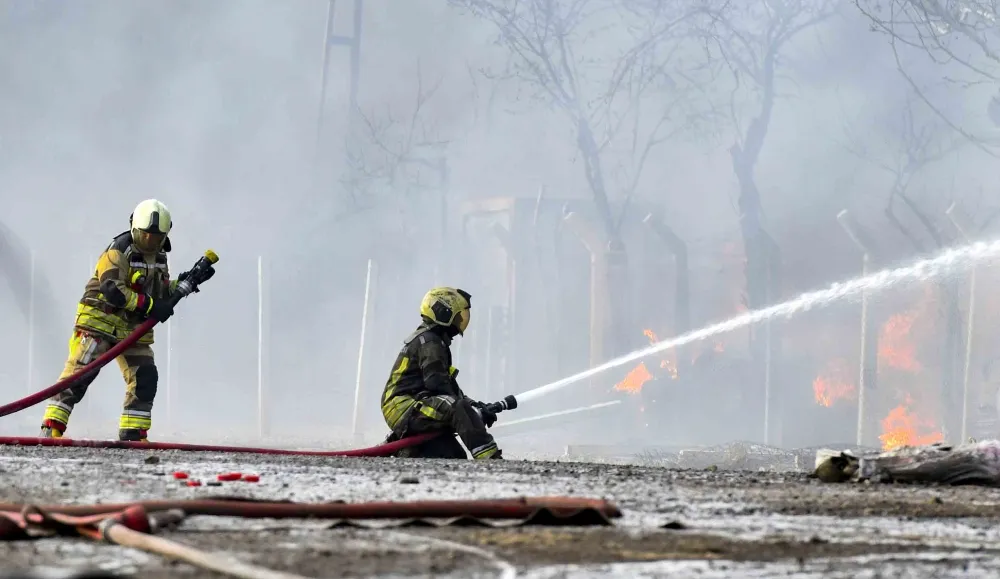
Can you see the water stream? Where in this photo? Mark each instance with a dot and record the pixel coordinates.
(958, 258)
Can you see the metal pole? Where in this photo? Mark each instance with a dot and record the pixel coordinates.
(361, 350)
(443, 265)
(767, 382)
(963, 225)
(866, 362)
(31, 324)
(969, 325)
(322, 79)
(869, 331)
(355, 61)
(260, 346)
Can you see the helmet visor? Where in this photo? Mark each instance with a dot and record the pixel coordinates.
(462, 321)
(147, 241)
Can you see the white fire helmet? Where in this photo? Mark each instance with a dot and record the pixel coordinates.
(150, 222)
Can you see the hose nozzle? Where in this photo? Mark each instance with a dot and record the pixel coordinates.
(197, 275)
(508, 403)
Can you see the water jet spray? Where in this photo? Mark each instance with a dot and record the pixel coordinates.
(920, 270)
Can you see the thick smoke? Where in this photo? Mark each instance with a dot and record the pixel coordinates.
(212, 107)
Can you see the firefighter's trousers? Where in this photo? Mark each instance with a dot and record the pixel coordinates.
(137, 367)
(407, 416)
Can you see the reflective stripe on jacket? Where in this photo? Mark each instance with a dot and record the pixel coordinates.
(124, 278)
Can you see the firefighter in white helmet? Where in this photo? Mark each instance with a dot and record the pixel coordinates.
(130, 283)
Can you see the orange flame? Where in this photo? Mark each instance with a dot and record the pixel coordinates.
(639, 375)
(901, 428)
(634, 380)
(834, 383)
(897, 348)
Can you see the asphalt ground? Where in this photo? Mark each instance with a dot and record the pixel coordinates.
(725, 523)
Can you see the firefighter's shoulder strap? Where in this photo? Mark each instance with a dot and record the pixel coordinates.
(122, 242)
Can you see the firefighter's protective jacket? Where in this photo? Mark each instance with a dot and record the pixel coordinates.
(422, 368)
(117, 293)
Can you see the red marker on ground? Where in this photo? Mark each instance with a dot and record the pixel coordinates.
(251, 478)
(230, 476)
(194, 483)
(180, 475)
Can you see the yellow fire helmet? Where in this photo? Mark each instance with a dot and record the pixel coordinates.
(448, 307)
(150, 223)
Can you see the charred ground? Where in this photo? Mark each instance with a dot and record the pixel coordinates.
(725, 522)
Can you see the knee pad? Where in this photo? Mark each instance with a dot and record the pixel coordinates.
(146, 377)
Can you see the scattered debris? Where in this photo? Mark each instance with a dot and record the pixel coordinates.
(674, 526)
(251, 478)
(180, 475)
(230, 476)
(835, 466)
(152, 460)
(974, 463)
(409, 480)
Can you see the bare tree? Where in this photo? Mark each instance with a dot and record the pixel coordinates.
(397, 153)
(915, 141)
(960, 36)
(751, 37)
(620, 107)
(398, 164)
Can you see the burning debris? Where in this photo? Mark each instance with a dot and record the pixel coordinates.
(975, 463)
(898, 352)
(902, 428)
(640, 374)
(634, 380)
(835, 382)
(897, 348)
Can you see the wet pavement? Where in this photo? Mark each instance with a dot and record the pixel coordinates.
(727, 523)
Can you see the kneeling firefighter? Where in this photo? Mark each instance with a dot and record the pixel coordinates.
(130, 284)
(422, 394)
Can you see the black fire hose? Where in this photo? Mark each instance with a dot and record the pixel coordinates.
(189, 285)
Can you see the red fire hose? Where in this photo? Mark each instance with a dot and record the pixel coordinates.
(184, 288)
(69, 381)
(114, 352)
(511, 508)
(377, 450)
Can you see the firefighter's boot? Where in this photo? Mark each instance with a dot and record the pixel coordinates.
(52, 429)
(132, 435)
(487, 451)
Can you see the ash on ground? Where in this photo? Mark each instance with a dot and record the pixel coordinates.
(769, 520)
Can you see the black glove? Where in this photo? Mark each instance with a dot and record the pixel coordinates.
(159, 310)
(489, 417)
(198, 280)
